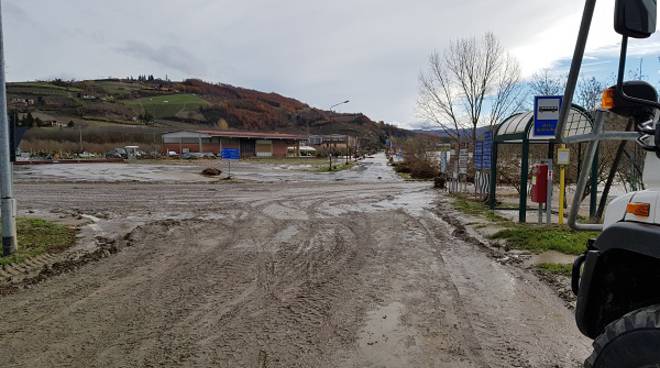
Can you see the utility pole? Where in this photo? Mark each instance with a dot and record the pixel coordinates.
(80, 138)
(7, 201)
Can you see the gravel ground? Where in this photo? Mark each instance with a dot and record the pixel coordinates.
(356, 270)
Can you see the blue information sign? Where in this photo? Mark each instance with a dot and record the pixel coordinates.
(546, 115)
(487, 150)
(230, 154)
(478, 155)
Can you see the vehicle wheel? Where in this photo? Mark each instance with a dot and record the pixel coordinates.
(632, 341)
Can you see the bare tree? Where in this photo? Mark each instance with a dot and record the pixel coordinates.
(589, 94)
(438, 98)
(460, 84)
(509, 95)
(544, 84)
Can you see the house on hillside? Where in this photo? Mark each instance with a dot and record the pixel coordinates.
(250, 144)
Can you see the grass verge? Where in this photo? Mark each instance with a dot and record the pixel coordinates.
(475, 208)
(556, 268)
(337, 167)
(36, 237)
(534, 238)
(539, 239)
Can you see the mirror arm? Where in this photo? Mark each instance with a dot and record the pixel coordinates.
(620, 78)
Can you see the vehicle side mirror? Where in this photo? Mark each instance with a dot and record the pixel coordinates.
(635, 18)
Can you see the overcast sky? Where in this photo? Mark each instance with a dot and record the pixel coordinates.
(368, 51)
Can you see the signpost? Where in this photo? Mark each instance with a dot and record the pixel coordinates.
(463, 161)
(546, 115)
(230, 154)
(563, 160)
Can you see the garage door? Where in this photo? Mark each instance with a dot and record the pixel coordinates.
(264, 148)
(247, 148)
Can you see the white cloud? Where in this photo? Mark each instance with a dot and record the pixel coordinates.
(369, 51)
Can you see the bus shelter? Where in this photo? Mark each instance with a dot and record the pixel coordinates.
(518, 129)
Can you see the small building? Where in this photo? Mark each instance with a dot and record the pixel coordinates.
(333, 141)
(250, 144)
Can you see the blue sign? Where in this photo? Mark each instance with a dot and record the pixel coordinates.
(546, 115)
(230, 154)
(478, 155)
(487, 150)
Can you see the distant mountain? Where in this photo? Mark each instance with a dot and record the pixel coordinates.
(166, 105)
(441, 133)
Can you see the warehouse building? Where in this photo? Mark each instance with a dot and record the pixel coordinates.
(250, 144)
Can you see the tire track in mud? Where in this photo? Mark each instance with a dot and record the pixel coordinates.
(471, 343)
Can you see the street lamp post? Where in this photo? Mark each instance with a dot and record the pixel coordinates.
(337, 104)
(332, 110)
(7, 201)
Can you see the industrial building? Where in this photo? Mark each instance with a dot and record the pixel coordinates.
(333, 142)
(250, 144)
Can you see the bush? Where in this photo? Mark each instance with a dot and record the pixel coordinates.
(418, 159)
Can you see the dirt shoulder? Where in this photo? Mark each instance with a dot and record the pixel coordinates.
(546, 251)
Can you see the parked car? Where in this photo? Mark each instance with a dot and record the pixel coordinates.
(117, 153)
(191, 156)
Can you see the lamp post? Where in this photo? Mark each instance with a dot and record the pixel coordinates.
(337, 104)
(332, 110)
(7, 201)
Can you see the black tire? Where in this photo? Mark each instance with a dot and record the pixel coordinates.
(632, 341)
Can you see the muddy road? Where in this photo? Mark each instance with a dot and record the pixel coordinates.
(361, 272)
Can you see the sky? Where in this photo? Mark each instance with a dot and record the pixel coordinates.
(368, 51)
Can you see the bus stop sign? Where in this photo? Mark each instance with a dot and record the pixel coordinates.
(546, 115)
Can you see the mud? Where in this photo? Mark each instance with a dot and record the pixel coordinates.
(362, 272)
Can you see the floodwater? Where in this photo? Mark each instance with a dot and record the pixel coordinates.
(370, 169)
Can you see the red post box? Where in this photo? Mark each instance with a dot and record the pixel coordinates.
(540, 183)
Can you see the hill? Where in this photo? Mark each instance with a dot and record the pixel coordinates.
(113, 111)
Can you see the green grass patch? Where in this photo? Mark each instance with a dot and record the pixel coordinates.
(42, 86)
(539, 239)
(534, 238)
(36, 237)
(475, 208)
(404, 176)
(556, 268)
(169, 105)
(337, 167)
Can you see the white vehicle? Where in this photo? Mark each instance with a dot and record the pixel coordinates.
(616, 280)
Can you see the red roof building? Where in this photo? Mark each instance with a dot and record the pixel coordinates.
(250, 144)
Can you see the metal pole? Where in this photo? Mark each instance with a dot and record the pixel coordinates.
(7, 201)
(581, 186)
(548, 205)
(562, 190)
(524, 180)
(493, 177)
(576, 64)
(593, 197)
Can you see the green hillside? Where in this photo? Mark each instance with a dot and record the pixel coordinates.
(169, 106)
(112, 112)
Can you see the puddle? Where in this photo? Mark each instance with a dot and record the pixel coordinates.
(551, 257)
(287, 234)
(384, 342)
